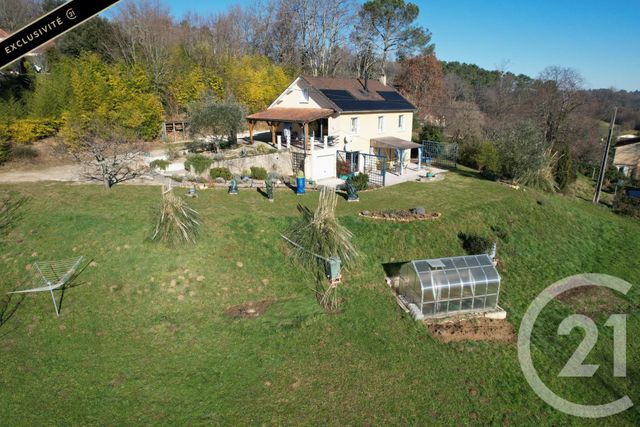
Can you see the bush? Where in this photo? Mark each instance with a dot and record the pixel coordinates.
(625, 205)
(159, 164)
(5, 152)
(360, 182)
(263, 149)
(198, 162)
(29, 130)
(258, 173)
(220, 173)
(431, 133)
(565, 171)
(487, 159)
(23, 152)
(475, 244)
(177, 222)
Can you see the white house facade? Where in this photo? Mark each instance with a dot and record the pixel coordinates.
(341, 124)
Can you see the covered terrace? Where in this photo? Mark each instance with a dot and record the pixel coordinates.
(396, 148)
(299, 126)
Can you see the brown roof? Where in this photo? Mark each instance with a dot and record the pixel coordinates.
(354, 86)
(393, 142)
(292, 114)
(3, 34)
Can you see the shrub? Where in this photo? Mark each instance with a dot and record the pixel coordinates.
(263, 149)
(159, 164)
(5, 152)
(360, 182)
(177, 222)
(320, 233)
(198, 162)
(625, 205)
(431, 133)
(246, 172)
(220, 173)
(29, 130)
(171, 152)
(525, 156)
(23, 152)
(475, 244)
(258, 173)
(565, 171)
(177, 178)
(486, 158)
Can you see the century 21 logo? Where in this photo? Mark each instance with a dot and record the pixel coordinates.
(575, 367)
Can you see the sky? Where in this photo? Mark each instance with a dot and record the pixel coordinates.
(600, 38)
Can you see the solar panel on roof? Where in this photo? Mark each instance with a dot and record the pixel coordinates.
(392, 101)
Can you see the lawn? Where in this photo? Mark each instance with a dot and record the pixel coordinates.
(144, 339)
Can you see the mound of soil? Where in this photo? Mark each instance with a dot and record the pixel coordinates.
(401, 215)
(249, 309)
(472, 329)
(593, 300)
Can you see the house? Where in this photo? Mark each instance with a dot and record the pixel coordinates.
(340, 127)
(627, 157)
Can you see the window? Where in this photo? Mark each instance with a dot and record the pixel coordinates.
(380, 124)
(401, 121)
(305, 96)
(354, 125)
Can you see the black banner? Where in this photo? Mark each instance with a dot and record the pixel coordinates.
(50, 26)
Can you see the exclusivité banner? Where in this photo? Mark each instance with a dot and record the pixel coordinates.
(50, 26)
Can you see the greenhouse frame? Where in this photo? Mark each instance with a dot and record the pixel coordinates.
(447, 286)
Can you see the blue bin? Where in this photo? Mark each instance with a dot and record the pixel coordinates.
(300, 185)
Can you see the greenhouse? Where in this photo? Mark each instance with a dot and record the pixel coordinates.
(446, 286)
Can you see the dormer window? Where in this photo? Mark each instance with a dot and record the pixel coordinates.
(305, 96)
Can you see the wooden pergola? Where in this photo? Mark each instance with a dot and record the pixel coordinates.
(276, 116)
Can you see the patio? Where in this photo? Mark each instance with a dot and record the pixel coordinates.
(411, 174)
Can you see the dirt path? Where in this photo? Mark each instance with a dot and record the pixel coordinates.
(67, 173)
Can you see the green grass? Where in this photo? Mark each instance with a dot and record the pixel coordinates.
(129, 348)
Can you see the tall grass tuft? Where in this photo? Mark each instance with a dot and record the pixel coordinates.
(177, 222)
(320, 233)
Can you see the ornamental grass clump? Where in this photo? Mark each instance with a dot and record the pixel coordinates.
(177, 222)
(318, 236)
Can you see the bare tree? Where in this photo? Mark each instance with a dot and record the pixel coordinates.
(14, 14)
(145, 34)
(324, 30)
(559, 94)
(109, 156)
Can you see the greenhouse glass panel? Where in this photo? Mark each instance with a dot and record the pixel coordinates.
(446, 286)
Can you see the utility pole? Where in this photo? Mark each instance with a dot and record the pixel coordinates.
(605, 158)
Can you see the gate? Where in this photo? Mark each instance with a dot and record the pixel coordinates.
(346, 163)
(441, 154)
(297, 162)
(376, 167)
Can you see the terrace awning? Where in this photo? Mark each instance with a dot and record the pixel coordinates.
(391, 142)
(302, 115)
(275, 116)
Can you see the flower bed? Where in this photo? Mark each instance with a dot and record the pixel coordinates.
(402, 215)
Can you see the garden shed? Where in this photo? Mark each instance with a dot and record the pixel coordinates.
(447, 286)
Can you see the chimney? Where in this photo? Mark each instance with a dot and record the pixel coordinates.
(383, 79)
